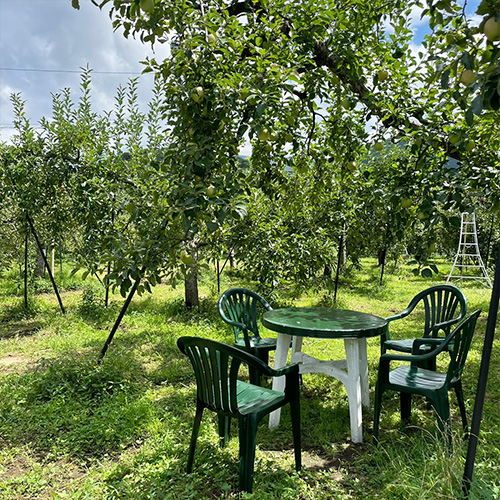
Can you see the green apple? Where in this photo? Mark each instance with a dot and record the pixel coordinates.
(264, 135)
(198, 94)
(378, 146)
(470, 145)
(288, 137)
(492, 29)
(187, 258)
(422, 216)
(455, 138)
(406, 202)
(346, 103)
(335, 79)
(351, 165)
(211, 38)
(382, 75)
(467, 77)
(147, 5)
(211, 191)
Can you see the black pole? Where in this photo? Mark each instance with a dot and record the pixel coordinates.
(218, 277)
(488, 245)
(120, 317)
(26, 238)
(337, 272)
(481, 382)
(51, 276)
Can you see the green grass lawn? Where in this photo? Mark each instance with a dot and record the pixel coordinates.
(121, 430)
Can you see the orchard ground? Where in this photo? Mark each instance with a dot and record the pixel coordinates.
(72, 429)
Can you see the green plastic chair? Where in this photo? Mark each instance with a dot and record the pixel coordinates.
(444, 306)
(216, 368)
(238, 307)
(413, 379)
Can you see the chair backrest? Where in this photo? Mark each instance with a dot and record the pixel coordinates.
(238, 307)
(462, 335)
(442, 304)
(216, 366)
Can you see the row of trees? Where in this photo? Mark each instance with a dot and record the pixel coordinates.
(144, 196)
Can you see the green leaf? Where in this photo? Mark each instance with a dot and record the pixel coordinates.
(75, 4)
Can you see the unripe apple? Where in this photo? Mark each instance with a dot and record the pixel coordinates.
(382, 75)
(346, 103)
(406, 202)
(421, 216)
(378, 146)
(335, 79)
(467, 77)
(492, 29)
(469, 146)
(264, 135)
(198, 94)
(454, 138)
(211, 191)
(211, 38)
(147, 5)
(351, 165)
(187, 258)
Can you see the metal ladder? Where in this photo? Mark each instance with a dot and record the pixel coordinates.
(468, 256)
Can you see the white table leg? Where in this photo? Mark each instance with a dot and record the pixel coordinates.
(282, 346)
(353, 387)
(363, 373)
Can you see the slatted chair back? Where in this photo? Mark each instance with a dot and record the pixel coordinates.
(239, 308)
(444, 305)
(462, 340)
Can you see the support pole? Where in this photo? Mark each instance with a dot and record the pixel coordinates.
(26, 239)
(119, 318)
(482, 381)
(51, 276)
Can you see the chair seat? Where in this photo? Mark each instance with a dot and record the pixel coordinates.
(259, 343)
(410, 377)
(405, 345)
(252, 399)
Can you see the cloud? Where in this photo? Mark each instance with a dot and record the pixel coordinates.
(52, 37)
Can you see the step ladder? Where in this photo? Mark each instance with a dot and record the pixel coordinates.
(468, 263)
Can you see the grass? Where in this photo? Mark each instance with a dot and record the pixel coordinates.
(72, 429)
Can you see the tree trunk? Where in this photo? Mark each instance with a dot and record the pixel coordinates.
(191, 296)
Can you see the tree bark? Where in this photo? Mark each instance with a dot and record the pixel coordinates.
(191, 296)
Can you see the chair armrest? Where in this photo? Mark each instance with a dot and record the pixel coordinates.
(432, 341)
(292, 368)
(400, 315)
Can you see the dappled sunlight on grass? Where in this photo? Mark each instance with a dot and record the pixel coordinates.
(71, 428)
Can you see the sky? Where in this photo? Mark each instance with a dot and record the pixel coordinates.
(54, 41)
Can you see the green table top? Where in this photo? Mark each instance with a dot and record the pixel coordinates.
(323, 322)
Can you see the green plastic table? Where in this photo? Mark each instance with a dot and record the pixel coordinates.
(295, 323)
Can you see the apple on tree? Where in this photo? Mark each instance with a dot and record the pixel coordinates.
(147, 5)
(198, 94)
(186, 258)
(351, 165)
(378, 146)
(211, 191)
(382, 75)
(492, 29)
(406, 202)
(467, 77)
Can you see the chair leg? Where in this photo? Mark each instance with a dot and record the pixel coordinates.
(248, 440)
(441, 404)
(376, 412)
(295, 416)
(461, 403)
(224, 430)
(405, 399)
(194, 436)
